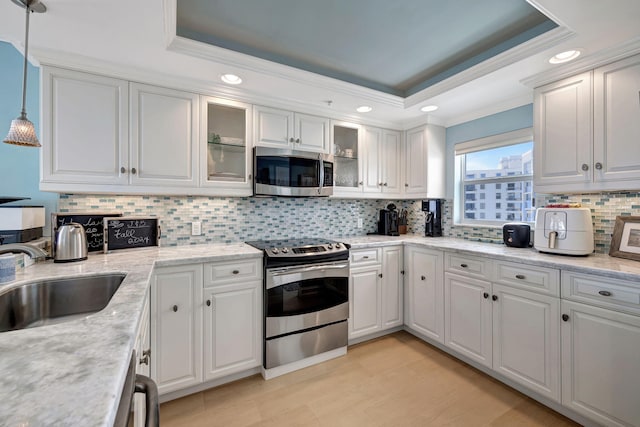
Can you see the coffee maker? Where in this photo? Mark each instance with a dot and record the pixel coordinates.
(388, 223)
(433, 217)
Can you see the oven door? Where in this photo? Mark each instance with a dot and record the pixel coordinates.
(306, 296)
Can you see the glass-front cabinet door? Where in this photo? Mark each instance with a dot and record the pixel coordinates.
(225, 160)
(346, 145)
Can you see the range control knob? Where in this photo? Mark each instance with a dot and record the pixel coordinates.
(274, 250)
(330, 246)
(285, 250)
(337, 245)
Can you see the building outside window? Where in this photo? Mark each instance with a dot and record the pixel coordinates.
(502, 167)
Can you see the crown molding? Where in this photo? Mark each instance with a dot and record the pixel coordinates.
(508, 57)
(602, 57)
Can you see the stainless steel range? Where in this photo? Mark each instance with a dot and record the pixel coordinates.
(306, 298)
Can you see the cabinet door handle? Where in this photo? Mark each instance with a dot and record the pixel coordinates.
(385, 184)
(520, 276)
(175, 308)
(598, 165)
(605, 293)
(360, 183)
(402, 272)
(146, 354)
(585, 167)
(291, 139)
(494, 297)
(380, 184)
(565, 317)
(422, 278)
(208, 303)
(485, 295)
(464, 265)
(133, 171)
(123, 169)
(406, 185)
(249, 177)
(236, 272)
(380, 275)
(298, 141)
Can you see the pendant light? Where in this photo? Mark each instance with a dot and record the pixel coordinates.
(22, 131)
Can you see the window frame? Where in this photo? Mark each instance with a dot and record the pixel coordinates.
(495, 141)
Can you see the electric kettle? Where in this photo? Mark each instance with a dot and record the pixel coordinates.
(70, 243)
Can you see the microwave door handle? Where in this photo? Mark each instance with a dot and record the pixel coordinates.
(321, 183)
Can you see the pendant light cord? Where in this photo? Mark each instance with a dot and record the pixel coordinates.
(23, 114)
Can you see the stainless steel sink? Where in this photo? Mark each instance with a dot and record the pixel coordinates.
(55, 301)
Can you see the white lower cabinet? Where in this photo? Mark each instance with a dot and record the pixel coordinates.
(526, 339)
(375, 290)
(176, 327)
(468, 316)
(203, 333)
(601, 364)
(423, 290)
(232, 325)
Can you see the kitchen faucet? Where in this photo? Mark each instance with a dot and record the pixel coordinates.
(34, 252)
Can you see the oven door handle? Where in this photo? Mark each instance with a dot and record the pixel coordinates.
(294, 270)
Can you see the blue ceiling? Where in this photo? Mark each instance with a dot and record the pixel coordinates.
(398, 47)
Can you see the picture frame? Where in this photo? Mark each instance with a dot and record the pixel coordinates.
(625, 241)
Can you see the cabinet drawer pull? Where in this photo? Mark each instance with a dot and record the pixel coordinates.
(494, 297)
(464, 265)
(605, 293)
(235, 272)
(365, 257)
(422, 278)
(485, 295)
(174, 308)
(565, 317)
(520, 276)
(208, 303)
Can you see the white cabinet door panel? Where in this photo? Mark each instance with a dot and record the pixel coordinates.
(390, 161)
(392, 289)
(164, 136)
(526, 339)
(84, 128)
(371, 164)
(468, 316)
(424, 298)
(416, 162)
(311, 133)
(273, 127)
(616, 120)
(600, 364)
(364, 301)
(176, 327)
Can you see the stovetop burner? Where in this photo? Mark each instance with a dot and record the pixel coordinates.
(297, 248)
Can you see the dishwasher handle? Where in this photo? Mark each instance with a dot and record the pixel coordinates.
(147, 386)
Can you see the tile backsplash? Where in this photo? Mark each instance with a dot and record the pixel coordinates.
(604, 209)
(237, 219)
(234, 219)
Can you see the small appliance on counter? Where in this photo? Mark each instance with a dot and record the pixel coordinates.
(433, 217)
(516, 234)
(20, 224)
(567, 231)
(388, 223)
(70, 243)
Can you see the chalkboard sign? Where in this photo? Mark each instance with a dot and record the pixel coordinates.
(92, 223)
(131, 232)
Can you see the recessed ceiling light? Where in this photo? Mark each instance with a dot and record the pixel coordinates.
(565, 56)
(363, 109)
(429, 108)
(231, 79)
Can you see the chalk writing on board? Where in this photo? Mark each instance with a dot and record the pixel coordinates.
(131, 232)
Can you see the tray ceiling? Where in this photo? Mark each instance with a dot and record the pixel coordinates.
(399, 48)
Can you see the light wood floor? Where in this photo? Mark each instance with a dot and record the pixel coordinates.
(396, 380)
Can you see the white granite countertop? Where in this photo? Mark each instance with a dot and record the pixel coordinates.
(592, 264)
(72, 373)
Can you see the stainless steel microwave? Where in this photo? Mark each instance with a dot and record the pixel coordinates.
(282, 172)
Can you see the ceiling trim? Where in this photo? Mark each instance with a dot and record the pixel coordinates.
(586, 63)
(518, 53)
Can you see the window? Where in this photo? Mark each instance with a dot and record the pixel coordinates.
(502, 167)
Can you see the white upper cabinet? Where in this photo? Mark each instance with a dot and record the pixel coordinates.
(586, 131)
(163, 136)
(84, 129)
(562, 132)
(347, 149)
(424, 164)
(225, 146)
(371, 166)
(381, 166)
(616, 139)
(286, 129)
